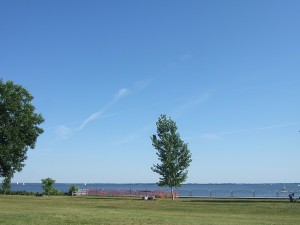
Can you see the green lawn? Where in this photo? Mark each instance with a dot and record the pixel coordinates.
(28, 210)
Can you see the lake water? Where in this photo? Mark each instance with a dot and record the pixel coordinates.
(186, 190)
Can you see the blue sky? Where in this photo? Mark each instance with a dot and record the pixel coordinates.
(102, 72)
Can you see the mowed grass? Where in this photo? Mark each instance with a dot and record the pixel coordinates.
(28, 210)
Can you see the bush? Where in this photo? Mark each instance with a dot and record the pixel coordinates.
(72, 189)
(5, 192)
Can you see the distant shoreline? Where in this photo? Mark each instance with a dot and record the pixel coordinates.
(156, 183)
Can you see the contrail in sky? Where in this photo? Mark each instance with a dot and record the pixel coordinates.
(215, 136)
(65, 132)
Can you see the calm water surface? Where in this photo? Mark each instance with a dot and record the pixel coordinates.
(206, 190)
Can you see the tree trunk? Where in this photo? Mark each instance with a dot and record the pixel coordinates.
(6, 184)
(172, 193)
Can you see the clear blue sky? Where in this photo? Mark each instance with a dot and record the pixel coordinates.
(102, 72)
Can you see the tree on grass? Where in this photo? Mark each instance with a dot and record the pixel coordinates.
(72, 189)
(172, 152)
(48, 186)
(18, 129)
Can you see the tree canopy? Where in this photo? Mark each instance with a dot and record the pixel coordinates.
(19, 129)
(172, 152)
(48, 186)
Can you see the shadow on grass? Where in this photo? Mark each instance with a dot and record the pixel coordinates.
(112, 198)
(196, 200)
(254, 201)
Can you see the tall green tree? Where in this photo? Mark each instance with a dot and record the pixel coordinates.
(19, 129)
(48, 186)
(173, 154)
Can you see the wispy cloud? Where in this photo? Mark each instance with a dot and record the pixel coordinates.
(252, 88)
(185, 57)
(218, 135)
(277, 126)
(133, 136)
(209, 136)
(65, 132)
(181, 59)
(186, 105)
(142, 84)
(189, 103)
(121, 93)
(269, 127)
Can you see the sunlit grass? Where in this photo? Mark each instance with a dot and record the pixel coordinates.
(28, 210)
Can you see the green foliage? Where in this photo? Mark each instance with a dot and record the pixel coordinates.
(7, 192)
(172, 152)
(48, 186)
(18, 129)
(72, 189)
(6, 184)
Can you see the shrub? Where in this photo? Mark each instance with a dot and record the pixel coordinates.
(5, 192)
(47, 185)
(72, 189)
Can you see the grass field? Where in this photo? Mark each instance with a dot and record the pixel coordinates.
(28, 210)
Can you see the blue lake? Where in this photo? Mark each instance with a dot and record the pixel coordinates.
(202, 190)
